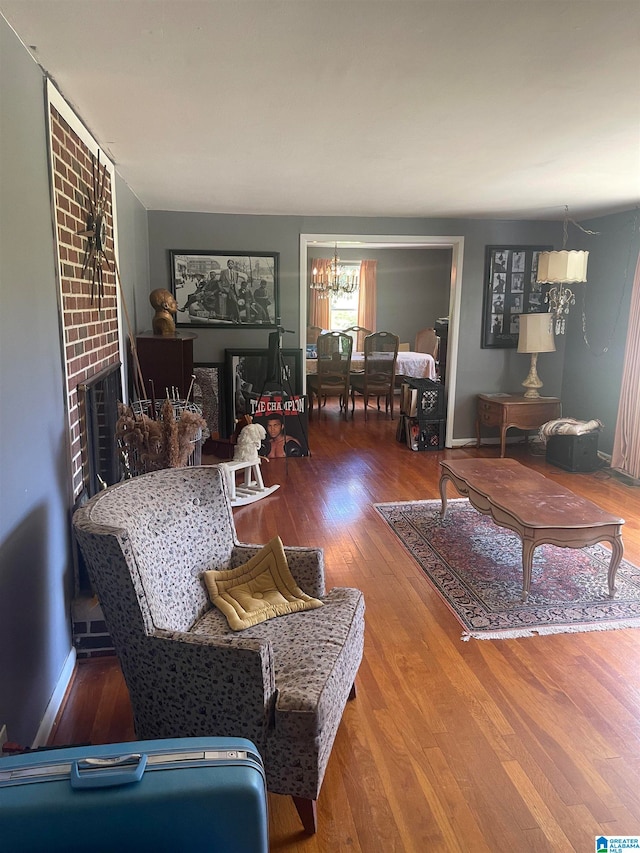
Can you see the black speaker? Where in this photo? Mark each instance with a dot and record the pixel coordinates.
(577, 453)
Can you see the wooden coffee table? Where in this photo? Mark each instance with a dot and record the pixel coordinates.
(538, 509)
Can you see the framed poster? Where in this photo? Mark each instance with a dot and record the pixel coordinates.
(285, 422)
(510, 289)
(246, 378)
(225, 289)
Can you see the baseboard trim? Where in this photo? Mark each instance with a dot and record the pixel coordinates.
(625, 478)
(55, 703)
(495, 440)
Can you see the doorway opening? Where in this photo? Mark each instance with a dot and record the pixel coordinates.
(377, 241)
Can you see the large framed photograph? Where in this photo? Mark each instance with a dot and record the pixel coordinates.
(510, 289)
(225, 289)
(249, 374)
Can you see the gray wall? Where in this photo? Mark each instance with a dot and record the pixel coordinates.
(220, 233)
(36, 574)
(593, 374)
(133, 248)
(479, 370)
(413, 286)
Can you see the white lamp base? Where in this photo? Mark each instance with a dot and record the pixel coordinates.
(532, 383)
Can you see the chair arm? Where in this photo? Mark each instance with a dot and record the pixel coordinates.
(306, 564)
(190, 685)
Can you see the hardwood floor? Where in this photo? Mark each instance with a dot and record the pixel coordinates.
(511, 745)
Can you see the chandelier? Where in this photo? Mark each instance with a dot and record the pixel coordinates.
(561, 269)
(336, 280)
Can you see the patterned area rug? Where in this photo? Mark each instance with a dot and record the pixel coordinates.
(477, 568)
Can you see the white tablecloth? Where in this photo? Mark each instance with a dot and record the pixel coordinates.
(419, 365)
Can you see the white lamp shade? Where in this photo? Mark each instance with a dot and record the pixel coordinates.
(536, 333)
(557, 267)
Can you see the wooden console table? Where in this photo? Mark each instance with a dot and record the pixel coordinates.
(538, 509)
(514, 410)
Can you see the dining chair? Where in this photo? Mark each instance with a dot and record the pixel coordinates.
(333, 370)
(312, 334)
(358, 333)
(427, 341)
(378, 377)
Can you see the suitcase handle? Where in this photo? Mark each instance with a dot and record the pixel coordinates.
(108, 772)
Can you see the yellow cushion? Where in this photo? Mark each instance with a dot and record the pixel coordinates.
(259, 590)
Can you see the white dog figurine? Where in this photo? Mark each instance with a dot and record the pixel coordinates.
(248, 444)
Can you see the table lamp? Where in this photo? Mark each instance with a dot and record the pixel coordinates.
(536, 335)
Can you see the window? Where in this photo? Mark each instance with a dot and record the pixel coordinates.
(343, 309)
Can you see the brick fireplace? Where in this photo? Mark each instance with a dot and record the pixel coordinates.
(90, 329)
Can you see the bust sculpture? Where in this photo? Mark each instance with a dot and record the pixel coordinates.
(165, 307)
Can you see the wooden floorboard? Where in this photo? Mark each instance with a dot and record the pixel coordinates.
(506, 745)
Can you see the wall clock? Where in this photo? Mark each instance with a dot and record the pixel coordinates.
(95, 257)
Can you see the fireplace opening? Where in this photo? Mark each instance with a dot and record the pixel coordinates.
(98, 399)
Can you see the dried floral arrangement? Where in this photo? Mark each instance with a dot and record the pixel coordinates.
(150, 444)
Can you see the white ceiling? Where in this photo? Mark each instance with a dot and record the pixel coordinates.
(431, 108)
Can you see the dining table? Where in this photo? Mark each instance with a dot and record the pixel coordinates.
(418, 365)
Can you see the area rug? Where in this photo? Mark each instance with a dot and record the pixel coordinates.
(476, 567)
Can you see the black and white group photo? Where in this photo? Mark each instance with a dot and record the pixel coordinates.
(225, 289)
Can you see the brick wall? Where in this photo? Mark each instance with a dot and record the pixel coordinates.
(90, 328)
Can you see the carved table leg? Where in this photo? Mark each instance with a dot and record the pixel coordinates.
(443, 494)
(503, 441)
(528, 547)
(617, 550)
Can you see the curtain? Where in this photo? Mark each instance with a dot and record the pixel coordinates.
(626, 442)
(367, 299)
(319, 313)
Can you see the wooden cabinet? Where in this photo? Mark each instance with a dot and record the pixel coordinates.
(167, 362)
(513, 410)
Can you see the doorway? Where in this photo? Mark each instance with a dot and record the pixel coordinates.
(377, 241)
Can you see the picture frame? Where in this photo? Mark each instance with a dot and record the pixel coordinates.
(510, 289)
(223, 289)
(246, 374)
(286, 424)
(208, 393)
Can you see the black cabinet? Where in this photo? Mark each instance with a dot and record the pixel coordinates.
(442, 330)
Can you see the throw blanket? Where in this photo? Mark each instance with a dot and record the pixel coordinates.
(568, 426)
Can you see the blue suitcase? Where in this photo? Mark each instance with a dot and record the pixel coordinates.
(165, 796)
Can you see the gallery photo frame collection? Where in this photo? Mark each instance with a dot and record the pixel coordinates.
(510, 289)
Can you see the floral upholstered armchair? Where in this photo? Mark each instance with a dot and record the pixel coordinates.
(282, 683)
